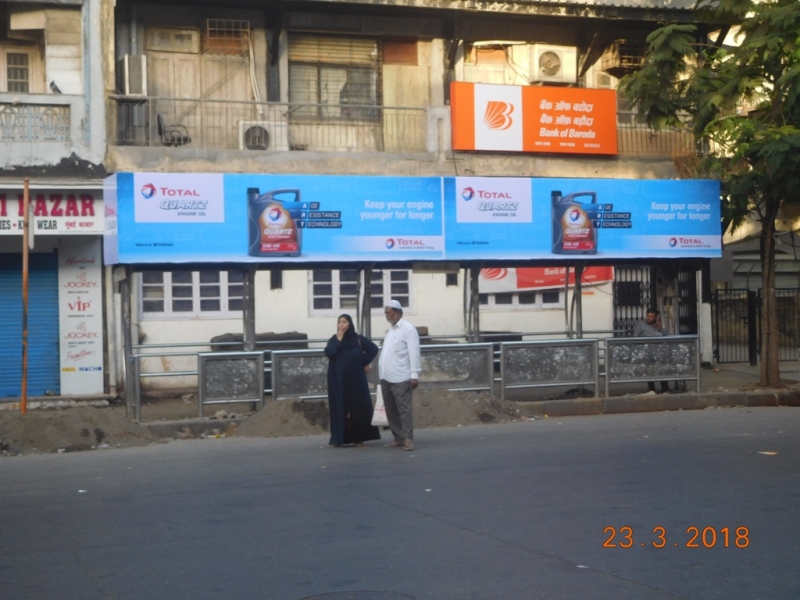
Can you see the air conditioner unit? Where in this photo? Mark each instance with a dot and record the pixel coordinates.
(264, 135)
(133, 75)
(554, 64)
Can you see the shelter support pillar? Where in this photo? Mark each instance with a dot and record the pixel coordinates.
(249, 308)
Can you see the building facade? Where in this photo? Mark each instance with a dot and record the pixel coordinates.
(358, 89)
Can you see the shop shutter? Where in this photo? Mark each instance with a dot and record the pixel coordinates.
(43, 334)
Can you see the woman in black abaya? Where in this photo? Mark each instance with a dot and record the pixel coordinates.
(349, 402)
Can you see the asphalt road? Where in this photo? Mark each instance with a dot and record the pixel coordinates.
(516, 511)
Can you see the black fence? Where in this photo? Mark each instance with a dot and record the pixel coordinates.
(737, 324)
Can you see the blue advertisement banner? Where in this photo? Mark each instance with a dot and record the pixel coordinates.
(181, 218)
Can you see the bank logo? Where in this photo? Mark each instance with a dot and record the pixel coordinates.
(498, 115)
(148, 190)
(467, 193)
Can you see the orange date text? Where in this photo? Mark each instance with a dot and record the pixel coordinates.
(693, 537)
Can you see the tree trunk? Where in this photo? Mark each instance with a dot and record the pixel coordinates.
(770, 369)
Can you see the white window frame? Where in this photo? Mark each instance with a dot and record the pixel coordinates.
(515, 304)
(35, 85)
(167, 288)
(350, 307)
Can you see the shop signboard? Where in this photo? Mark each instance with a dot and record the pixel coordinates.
(189, 218)
(52, 212)
(533, 119)
(80, 307)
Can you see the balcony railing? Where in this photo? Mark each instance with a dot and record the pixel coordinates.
(34, 122)
(221, 124)
(232, 125)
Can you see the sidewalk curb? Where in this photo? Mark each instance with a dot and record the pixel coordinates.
(665, 402)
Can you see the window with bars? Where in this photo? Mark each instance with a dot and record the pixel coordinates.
(334, 77)
(522, 300)
(180, 294)
(333, 291)
(16, 72)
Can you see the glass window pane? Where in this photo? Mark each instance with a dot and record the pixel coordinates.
(483, 299)
(323, 303)
(235, 304)
(550, 297)
(323, 290)
(527, 297)
(235, 291)
(398, 275)
(400, 288)
(348, 289)
(153, 306)
(376, 302)
(152, 292)
(210, 305)
(152, 277)
(182, 306)
(348, 275)
(235, 276)
(322, 275)
(504, 299)
(209, 291)
(209, 276)
(181, 277)
(348, 303)
(181, 291)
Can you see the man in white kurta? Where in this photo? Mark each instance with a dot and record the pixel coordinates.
(399, 368)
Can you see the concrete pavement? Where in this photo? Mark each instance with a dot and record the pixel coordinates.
(520, 511)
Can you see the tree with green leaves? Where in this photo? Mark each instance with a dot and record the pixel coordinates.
(742, 101)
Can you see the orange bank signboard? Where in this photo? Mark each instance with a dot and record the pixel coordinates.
(511, 118)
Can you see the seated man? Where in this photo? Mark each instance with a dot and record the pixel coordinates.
(651, 326)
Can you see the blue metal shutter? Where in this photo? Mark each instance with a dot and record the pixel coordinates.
(43, 334)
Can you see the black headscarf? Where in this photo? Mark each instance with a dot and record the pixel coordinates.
(350, 336)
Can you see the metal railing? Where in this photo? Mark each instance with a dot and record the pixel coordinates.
(264, 127)
(458, 366)
(260, 127)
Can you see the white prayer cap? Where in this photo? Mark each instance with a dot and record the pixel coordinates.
(394, 304)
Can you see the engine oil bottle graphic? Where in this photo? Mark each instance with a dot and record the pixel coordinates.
(574, 230)
(275, 222)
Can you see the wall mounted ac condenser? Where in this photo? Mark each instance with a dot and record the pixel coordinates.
(554, 64)
(263, 135)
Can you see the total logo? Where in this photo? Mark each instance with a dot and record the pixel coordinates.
(576, 218)
(274, 214)
(405, 243)
(148, 190)
(685, 242)
(467, 193)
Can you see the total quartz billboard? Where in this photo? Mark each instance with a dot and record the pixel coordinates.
(240, 218)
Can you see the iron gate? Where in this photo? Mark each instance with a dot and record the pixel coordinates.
(737, 320)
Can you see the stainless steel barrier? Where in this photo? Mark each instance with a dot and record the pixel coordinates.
(229, 377)
(303, 373)
(672, 358)
(548, 363)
